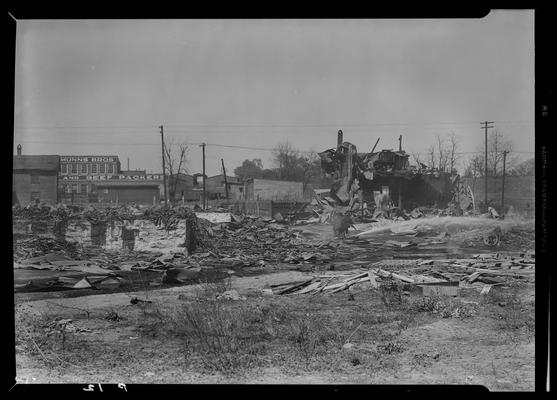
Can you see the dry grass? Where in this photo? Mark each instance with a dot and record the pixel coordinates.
(295, 334)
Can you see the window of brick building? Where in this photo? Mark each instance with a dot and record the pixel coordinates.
(35, 196)
(83, 188)
(101, 168)
(74, 168)
(83, 168)
(64, 168)
(93, 168)
(109, 169)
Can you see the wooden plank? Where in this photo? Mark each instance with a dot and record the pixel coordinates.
(294, 287)
(356, 277)
(334, 286)
(471, 278)
(442, 283)
(506, 273)
(347, 285)
(309, 288)
(322, 287)
(386, 274)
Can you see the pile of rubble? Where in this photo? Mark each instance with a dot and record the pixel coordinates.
(42, 211)
(251, 241)
(430, 277)
(37, 246)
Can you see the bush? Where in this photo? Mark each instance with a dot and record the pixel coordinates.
(223, 337)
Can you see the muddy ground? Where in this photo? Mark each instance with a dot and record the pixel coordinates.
(183, 334)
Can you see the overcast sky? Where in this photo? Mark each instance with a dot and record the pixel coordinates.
(103, 87)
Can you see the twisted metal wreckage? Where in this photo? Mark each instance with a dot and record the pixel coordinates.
(387, 179)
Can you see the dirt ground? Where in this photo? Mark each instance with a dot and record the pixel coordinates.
(350, 337)
(482, 348)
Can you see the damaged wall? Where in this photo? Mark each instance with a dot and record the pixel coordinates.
(139, 235)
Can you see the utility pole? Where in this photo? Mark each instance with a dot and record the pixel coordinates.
(225, 181)
(400, 143)
(486, 127)
(163, 166)
(204, 190)
(503, 184)
(128, 163)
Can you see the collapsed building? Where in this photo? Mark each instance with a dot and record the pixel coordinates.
(387, 175)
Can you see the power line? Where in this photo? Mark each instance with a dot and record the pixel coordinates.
(225, 126)
(89, 127)
(227, 146)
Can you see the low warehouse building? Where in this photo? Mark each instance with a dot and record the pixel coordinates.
(128, 192)
(266, 189)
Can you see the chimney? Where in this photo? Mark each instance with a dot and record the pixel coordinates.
(18, 149)
(339, 139)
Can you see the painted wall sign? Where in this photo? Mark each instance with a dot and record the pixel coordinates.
(88, 159)
(148, 177)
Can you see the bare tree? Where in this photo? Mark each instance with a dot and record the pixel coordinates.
(526, 168)
(310, 163)
(475, 167)
(454, 156)
(287, 160)
(418, 160)
(176, 163)
(496, 143)
(431, 157)
(496, 146)
(442, 154)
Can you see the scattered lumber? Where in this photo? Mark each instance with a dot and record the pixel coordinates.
(431, 276)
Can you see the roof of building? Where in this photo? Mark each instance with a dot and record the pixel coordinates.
(89, 155)
(230, 179)
(44, 163)
(133, 172)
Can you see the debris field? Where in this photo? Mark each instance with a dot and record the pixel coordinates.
(285, 278)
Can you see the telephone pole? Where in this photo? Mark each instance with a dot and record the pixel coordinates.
(400, 143)
(486, 127)
(163, 166)
(204, 190)
(503, 184)
(225, 182)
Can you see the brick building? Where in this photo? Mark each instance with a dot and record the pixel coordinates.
(35, 179)
(99, 179)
